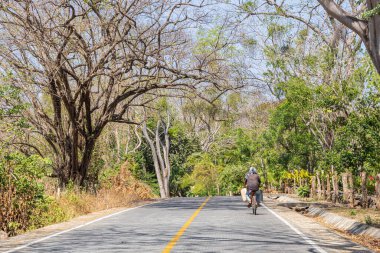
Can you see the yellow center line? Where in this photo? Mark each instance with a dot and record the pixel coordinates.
(180, 232)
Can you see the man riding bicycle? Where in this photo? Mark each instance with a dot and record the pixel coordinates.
(252, 183)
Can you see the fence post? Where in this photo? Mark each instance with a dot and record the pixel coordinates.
(377, 189)
(352, 188)
(313, 187)
(319, 185)
(364, 199)
(328, 187)
(335, 187)
(345, 187)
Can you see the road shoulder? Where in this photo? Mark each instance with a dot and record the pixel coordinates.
(31, 236)
(319, 234)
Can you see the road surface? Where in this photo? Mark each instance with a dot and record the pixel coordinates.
(217, 224)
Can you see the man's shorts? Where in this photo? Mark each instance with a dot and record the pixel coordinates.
(258, 194)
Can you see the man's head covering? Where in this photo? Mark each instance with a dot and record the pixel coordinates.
(252, 170)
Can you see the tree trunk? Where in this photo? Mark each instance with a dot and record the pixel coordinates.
(373, 44)
(313, 187)
(319, 185)
(328, 187)
(285, 186)
(160, 153)
(282, 185)
(162, 161)
(345, 187)
(335, 184)
(86, 159)
(323, 188)
(118, 145)
(72, 165)
(377, 190)
(369, 31)
(74, 160)
(157, 168)
(351, 189)
(166, 147)
(265, 174)
(364, 199)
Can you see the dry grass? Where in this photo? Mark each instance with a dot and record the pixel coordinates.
(18, 213)
(121, 191)
(373, 244)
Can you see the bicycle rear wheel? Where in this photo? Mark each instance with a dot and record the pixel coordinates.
(254, 207)
(254, 203)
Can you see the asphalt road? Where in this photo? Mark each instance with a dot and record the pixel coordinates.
(224, 224)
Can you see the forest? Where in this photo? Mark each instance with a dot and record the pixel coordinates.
(104, 102)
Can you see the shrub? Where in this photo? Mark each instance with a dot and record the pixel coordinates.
(203, 179)
(46, 211)
(21, 193)
(368, 220)
(303, 191)
(231, 179)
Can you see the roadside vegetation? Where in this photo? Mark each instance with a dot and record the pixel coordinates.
(104, 103)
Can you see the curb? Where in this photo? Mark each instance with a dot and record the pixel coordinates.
(336, 221)
(342, 223)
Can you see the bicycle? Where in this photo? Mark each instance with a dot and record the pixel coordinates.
(253, 203)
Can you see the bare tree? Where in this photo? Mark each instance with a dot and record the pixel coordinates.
(83, 64)
(305, 20)
(368, 30)
(202, 119)
(159, 144)
(361, 17)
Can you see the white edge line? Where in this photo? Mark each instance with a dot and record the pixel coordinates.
(304, 237)
(71, 229)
